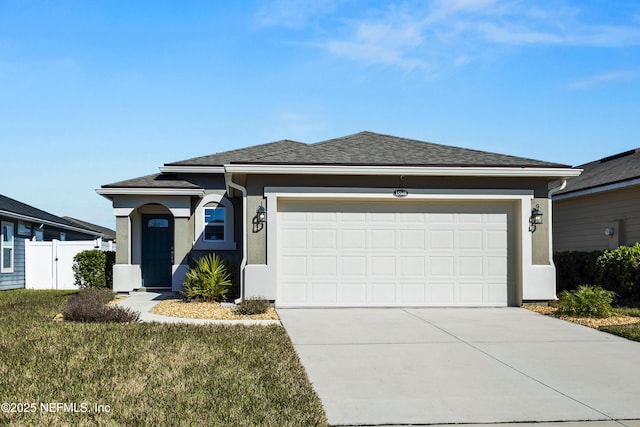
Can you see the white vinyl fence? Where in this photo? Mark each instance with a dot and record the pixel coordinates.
(49, 265)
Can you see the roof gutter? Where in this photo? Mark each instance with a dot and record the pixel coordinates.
(594, 190)
(192, 169)
(47, 222)
(142, 191)
(228, 178)
(403, 170)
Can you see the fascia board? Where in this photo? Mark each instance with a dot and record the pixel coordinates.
(599, 189)
(192, 169)
(150, 191)
(403, 170)
(47, 222)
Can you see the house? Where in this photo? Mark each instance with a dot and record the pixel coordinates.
(600, 209)
(108, 235)
(21, 222)
(362, 220)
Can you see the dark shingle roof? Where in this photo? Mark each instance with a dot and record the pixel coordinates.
(158, 180)
(368, 148)
(242, 155)
(108, 233)
(610, 170)
(364, 148)
(13, 206)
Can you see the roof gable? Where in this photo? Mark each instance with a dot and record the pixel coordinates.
(156, 180)
(609, 170)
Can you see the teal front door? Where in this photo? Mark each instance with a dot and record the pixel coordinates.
(157, 250)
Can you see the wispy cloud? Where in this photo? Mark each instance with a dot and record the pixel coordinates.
(418, 35)
(601, 79)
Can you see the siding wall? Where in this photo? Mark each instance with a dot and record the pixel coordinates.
(15, 280)
(579, 223)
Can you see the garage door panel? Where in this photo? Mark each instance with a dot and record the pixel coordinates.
(294, 238)
(294, 293)
(323, 293)
(442, 266)
(292, 265)
(324, 266)
(470, 266)
(495, 293)
(441, 239)
(383, 266)
(354, 266)
(470, 294)
(497, 239)
(383, 293)
(412, 266)
(441, 294)
(496, 266)
(323, 239)
(470, 239)
(353, 239)
(390, 257)
(354, 293)
(412, 293)
(383, 239)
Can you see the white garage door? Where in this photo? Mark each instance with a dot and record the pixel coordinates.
(380, 254)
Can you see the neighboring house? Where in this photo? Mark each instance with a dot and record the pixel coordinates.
(600, 209)
(362, 220)
(108, 235)
(22, 222)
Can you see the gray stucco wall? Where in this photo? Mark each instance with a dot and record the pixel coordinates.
(255, 184)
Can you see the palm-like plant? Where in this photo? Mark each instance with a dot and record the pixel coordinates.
(208, 281)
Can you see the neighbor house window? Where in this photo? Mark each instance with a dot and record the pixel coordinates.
(7, 247)
(63, 236)
(214, 224)
(24, 229)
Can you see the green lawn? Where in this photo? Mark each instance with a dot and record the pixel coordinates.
(146, 374)
(632, 331)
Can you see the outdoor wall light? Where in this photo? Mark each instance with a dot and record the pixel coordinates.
(535, 218)
(261, 215)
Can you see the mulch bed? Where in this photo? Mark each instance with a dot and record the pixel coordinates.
(206, 310)
(585, 321)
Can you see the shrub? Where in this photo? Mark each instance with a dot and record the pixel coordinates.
(110, 260)
(620, 272)
(586, 301)
(89, 306)
(89, 269)
(574, 268)
(209, 280)
(252, 305)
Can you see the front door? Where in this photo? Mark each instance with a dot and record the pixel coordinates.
(157, 248)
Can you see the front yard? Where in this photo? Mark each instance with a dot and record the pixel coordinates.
(145, 374)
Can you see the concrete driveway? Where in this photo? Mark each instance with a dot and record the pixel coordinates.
(458, 365)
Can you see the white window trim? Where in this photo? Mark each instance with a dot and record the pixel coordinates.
(229, 242)
(4, 245)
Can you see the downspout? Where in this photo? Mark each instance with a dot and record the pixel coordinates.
(550, 194)
(229, 183)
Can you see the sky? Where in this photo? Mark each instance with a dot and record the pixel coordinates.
(95, 92)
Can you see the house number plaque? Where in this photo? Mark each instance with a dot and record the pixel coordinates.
(400, 193)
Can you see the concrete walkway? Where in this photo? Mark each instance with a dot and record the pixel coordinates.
(143, 302)
(446, 366)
